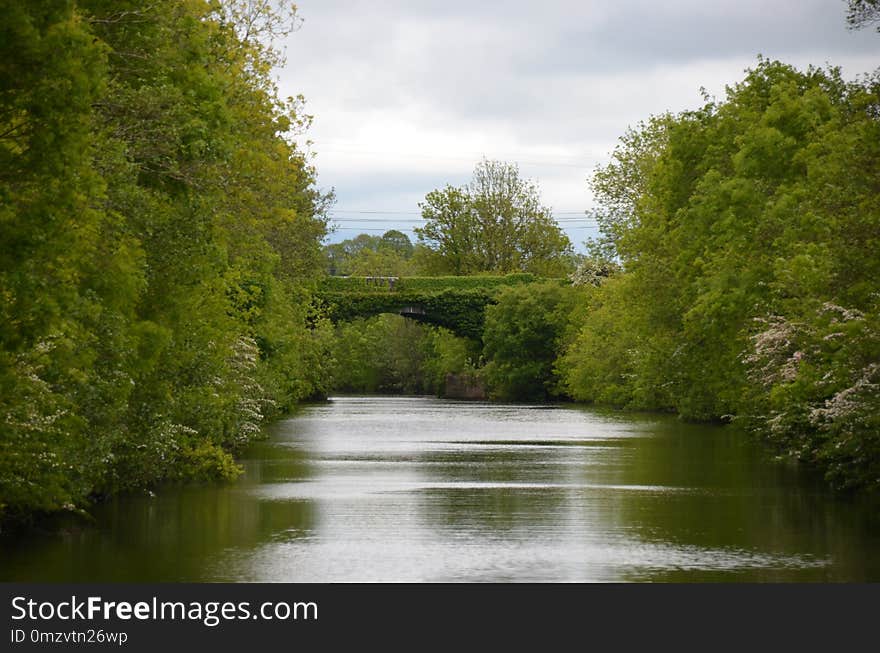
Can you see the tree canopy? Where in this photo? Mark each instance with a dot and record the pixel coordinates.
(389, 255)
(863, 13)
(747, 231)
(159, 232)
(496, 223)
(525, 333)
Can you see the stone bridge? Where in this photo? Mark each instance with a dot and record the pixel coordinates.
(456, 303)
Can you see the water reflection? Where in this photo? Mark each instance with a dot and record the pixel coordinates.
(394, 489)
(171, 536)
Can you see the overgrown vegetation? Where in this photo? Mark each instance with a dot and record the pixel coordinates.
(526, 330)
(748, 231)
(158, 234)
(391, 354)
(423, 284)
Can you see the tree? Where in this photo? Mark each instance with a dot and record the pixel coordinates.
(160, 230)
(525, 333)
(593, 271)
(364, 255)
(64, 273)
(397, 242)
(389, 353)
(746, 293)
(862, 13)
(496, 223)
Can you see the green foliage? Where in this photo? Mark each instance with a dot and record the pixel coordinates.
(494, 224)
(56, 339)
(759, 207)
(386, 353)
(366, 255)
(207, 462)
(525, 332)
(390, 354)
(610, 361)
(446, 354)
(158, 236)
(815, 390)
(456, 303)
(423, 284)
(862, 13)
(460, 311)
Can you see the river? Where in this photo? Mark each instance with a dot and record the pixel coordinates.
(422, 489)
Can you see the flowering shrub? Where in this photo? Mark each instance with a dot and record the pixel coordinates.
(817, 390)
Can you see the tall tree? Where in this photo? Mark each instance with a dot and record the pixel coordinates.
(57, 290)
(525, 333)
(159, 230)
(742, 228)
(496, 223)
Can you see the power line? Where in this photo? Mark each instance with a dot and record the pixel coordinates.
(330, 148)
(395, 212)
(349, 220)
(361, 229)
(374, 211)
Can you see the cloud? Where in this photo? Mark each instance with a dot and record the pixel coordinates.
(408, 95)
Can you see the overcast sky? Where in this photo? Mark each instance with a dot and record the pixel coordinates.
(408, 95)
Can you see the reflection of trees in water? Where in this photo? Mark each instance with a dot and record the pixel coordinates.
(171, 536)
(724, 493)
(493, 507)
(705, 496)
(275, 462)
(664, 501)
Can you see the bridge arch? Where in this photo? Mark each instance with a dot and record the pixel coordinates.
(456, 303)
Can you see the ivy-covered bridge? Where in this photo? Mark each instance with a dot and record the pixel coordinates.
(456, 303)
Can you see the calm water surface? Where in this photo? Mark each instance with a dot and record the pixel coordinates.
(421, 489)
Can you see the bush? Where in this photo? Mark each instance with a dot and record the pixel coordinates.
(525, 332)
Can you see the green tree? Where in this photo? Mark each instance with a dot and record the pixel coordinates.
(338, 256)
(525, 333)
(385, 353)
(494, 224)
(364, 255)
(160, 233)
(449, 354)
(734, 223)
(397, 242)
(67, 270)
